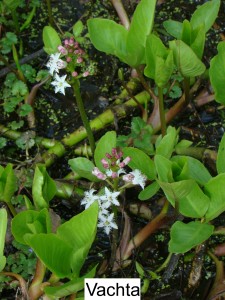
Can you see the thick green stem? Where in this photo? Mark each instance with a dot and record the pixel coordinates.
(36, 287)
(80, 106)
(162, 111)
(104, 119)
(50, 17)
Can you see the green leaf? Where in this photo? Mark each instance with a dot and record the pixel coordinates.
(12, 4)
(186, 236)
(3, 228)
(187, 196)
(78, 28)
(141, 161)
(19, 88)
(43, 188)
(79, 232)
(198, 41)
(205, 14)
(51, 40)
(174, 28)
(140, 28)
(217, 73)
(191, 168)
(154, 48)
(163, 168)
(220, 161)
(186, 32)
(25, 109)
(3, 142)
(83, 167)
(71, 287)
(186, 60)
(7, 183)
(105, 145)
(108, 36)
(149, 191)
(164, 69)
(165, 145)
(214, 190)
(51, 249)
(30, 222)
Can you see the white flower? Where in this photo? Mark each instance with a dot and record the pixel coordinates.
(55, 63)
(135, 177)
(110, 197)
(107, 222)
(89, 198)
(60, 84)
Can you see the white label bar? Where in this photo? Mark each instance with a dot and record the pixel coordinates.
(112, 288)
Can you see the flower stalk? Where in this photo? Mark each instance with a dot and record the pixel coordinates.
(84, 118)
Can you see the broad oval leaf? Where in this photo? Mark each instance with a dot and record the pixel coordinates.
(154, 48)
(187, 197)
(217, 73)
(141, 161)
(140, 28)
(30, 222)
(43, 187)
(220, 161)
(205, 14)
(3, 228)
(214, 190)
(108, 36)
(53, 252)
(198, 41)
(8, 184)
(105, 145)
(174, 28)
(186, 236)
(78, 27)
(165, 145)
(163, 168)
(79, 232)
(83, 167)
(191, 168)
(186, 60)
(51, 40)
(149, 191)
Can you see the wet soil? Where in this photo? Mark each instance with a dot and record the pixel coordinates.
(204, 126)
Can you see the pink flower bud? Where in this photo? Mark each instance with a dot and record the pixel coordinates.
(79, 60)
(68, 59)
(62, 50)
(85, 74)
(98, 174)
(125, 162)
(71, 41)
(128, 177)
(114, 175)
(74, 74)
(109, 156)
(66, 42)
(105, 163)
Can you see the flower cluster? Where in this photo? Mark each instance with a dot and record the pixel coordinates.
(105, 201)
(114, 167)
(112, 164)
(72, 58)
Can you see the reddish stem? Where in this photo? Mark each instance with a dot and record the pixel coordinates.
(145, 232)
